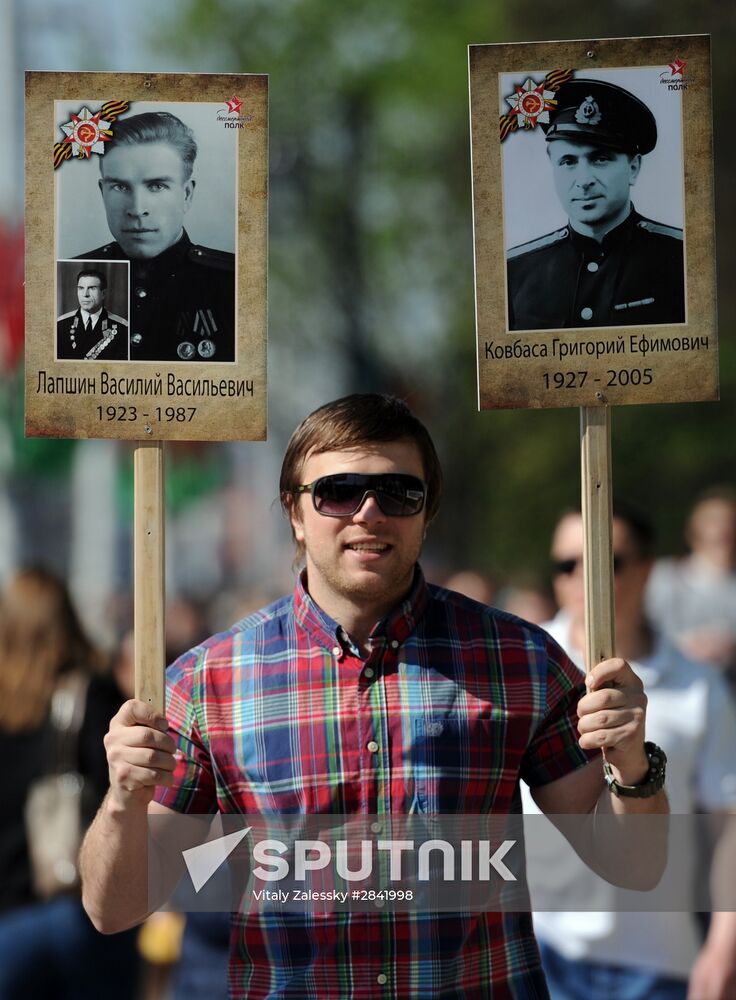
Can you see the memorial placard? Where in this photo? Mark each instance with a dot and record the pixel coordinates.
(146, 222)
(593, 219)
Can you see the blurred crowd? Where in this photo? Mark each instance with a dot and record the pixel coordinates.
(676, 622)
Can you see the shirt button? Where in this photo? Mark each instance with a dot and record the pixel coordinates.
(378, 902)
(586, 313)
(373, 746)
(593, 267)
(336, 651)
(394, 644)
(369, 671)
(381, 979)
(141, 292)
(376, 827)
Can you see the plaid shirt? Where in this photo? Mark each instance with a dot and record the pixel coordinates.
(280, 714)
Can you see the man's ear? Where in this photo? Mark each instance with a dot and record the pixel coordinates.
(634, 168)
(189, 193)
(295, 517)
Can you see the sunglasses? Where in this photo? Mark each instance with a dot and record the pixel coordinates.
(397, 494)
(566, 567)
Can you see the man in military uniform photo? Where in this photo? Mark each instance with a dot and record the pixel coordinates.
(182, 295)
(91, 333)
(609, 266)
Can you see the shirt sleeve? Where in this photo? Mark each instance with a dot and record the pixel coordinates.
(554, 750)
(193, 789)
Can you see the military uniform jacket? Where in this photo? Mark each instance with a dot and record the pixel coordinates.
(108, 341)
(182, 303)
(634, 277)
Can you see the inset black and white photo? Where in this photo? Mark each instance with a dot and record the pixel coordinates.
(593, 199)
(92, 310)
(160, 192)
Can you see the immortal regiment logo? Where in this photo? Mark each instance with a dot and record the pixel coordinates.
(531, 102)
(231, 116)
(675, 79)
(87, 132)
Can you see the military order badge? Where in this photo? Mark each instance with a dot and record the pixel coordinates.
(146, 235)
(594, 274)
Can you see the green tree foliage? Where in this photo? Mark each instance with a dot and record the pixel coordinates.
(371, 268)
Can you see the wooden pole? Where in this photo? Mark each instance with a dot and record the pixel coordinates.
(595, 465)
(148, 527)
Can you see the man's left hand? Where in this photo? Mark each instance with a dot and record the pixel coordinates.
(611, 716)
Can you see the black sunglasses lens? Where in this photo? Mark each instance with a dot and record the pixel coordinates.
(565, 567)
(398, 495)
(336, 495)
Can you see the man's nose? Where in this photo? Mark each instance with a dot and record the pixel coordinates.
(369, 512)
(584, 176)
(137, 202)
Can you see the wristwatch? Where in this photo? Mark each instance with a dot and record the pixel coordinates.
(653, 781)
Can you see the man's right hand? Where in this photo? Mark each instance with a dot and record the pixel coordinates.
(140, 753)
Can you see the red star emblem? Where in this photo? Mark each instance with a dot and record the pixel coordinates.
(677, 66)
(86, 133)
(233, 106)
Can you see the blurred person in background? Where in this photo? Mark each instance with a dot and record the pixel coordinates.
(48, 947)
(646, 956)
(693, 599)
(473, 584)
(528, 598)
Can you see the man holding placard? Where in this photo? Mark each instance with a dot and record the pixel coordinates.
(370, 691)
(609, 266)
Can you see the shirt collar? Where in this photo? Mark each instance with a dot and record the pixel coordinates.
(93, 317)
(397, 625)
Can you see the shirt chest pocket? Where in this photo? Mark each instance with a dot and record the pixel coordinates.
(451, 763)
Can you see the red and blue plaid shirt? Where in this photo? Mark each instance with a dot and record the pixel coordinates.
(453, 705)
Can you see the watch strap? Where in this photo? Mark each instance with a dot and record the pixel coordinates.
(653, 780)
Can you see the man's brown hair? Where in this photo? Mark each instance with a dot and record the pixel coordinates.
(359, 419)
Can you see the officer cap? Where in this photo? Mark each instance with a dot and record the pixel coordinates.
(601, 113)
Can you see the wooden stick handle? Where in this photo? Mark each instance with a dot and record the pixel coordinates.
(596, 483)
(148, 570)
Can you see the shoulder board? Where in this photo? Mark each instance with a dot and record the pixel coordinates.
(219, 259)
(539, 244)
(117, 319)
(67, 315)
(656, 227)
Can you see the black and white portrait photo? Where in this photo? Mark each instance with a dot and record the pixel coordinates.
(160, 194)
(593, 200)
(92, 310)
